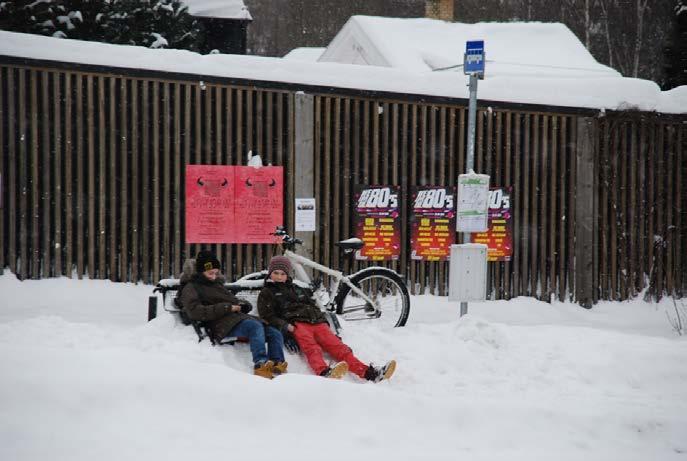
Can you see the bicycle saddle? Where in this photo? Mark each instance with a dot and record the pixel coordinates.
(351, 244)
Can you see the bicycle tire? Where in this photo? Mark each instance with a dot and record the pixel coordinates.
(394, 309)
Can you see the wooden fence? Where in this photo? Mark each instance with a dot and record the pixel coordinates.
(93, 160)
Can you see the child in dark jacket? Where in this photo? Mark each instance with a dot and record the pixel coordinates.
(290, 309)
(204, 298)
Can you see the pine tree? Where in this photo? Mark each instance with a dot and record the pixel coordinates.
(676, 51)
(150, 23)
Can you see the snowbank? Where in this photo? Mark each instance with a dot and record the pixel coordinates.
(598, 92)
(85, 377)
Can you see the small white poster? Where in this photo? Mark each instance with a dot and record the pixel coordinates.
(305, 215)
(473, 203)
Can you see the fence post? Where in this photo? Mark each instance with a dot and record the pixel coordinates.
(585, 212)
(304, 168)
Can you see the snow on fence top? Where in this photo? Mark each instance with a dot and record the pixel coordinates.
(225, 9)
(606, 91)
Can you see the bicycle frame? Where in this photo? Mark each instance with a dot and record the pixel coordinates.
(300, 261)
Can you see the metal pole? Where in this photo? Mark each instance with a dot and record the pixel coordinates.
(470, 164)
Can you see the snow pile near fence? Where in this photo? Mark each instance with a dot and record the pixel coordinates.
(85, 377)
(605, 91)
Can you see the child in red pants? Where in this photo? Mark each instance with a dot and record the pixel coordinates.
(290, 309)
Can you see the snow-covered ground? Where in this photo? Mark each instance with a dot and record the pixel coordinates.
(85, 377)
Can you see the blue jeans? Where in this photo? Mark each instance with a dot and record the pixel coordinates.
(258, 334)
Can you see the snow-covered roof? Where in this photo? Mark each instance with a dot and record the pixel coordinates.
(225, 9)
(422, 45)
(310, 54)
(606, 91)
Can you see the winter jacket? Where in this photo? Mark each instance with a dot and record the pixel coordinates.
(285, 303)
(210, 302)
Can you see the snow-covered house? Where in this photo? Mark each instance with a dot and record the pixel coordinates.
(226, 24)
(423, 45)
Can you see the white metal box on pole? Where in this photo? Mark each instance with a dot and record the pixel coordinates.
(468, 273)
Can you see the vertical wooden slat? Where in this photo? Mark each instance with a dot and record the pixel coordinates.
(508, 182)
(632, 222)
(3, 173)
(78, 189)
(641, 214)
(123, 182)
(12, 171)
(165, 255)
(336, 183)
(250, 138)
(347, 154)
(133, 193)
(443, 154)
(613, 180)
(572, 278)
(423, 178)
(432, 153)
(112, 209)
(526, 225)
(405, 181)
(155, 183)
(660, 207)
(553, 219)
(542, 203)
(535, 197)
(57, 188)
(176, 179)
(623, 244)
(34, 211)
(102, 181)
(218, 151)
(519, 160)
(412, 160)
(187, 157)
(679, 207)
(228, 155)
(23, 177)
(239, 153)
(145, 233)
(651, 197)
(325, 235)
(670, 233)
(68, 155)
(90, 163)
(564, 211)
(604, 261)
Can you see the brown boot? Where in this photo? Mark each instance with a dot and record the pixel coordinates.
(279, 368)
(264, 370)
(335, 372)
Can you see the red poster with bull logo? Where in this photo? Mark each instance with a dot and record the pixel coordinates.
(378, 224)
(233, 204)
(433, 223)
(499, 235)
(259, 203)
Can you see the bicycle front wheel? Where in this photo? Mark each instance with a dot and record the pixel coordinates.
(386, 289)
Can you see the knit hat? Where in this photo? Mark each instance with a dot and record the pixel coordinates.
(206, 260)
(280, 263)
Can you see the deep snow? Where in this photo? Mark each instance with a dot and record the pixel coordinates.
(86, 377)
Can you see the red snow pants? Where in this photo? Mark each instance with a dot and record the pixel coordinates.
(314, 339)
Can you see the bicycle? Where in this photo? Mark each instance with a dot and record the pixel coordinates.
(373, 293)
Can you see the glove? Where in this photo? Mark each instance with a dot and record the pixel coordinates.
(246, 306)
(290, 343)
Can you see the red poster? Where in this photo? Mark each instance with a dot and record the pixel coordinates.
(259, 203)
(233, 204)
(432, 223)
(377, 212)
(499, 236)
(209, 203)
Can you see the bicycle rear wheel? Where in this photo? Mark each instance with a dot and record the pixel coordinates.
(385, 288)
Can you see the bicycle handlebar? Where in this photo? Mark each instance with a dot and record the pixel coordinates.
(288, 241)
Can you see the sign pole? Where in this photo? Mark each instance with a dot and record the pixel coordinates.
(473, 65)
(470, 163)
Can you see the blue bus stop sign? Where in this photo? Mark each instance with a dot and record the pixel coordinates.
(473, 62)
